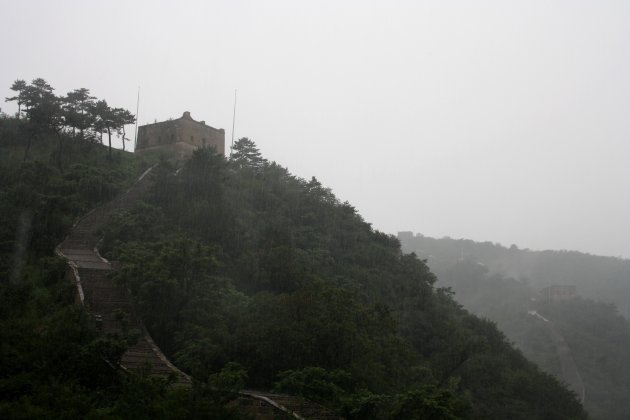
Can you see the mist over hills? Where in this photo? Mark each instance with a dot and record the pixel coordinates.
(505, 120)
(598, 277)
(503, 284)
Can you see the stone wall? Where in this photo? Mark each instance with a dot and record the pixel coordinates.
(558, 293)
(180, 136)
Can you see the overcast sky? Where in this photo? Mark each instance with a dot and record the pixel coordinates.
(506, 121)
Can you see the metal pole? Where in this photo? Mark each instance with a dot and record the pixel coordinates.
(233, 122)
(135, 140)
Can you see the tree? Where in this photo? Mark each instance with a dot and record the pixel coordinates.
(43, 111)
(77, 109)
(430, 402)
(108, 120)
(18, 86)
(36, 96)
(245, 154)
(122, 117)
(102, 119)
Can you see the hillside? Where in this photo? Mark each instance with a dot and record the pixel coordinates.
(306, 295)
(245, 275)
(597, 335)
(605, 279)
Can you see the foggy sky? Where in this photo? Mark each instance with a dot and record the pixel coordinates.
(505, 121)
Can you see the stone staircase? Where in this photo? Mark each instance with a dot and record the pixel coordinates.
(110, 303)
(296, 407)
(112, 308)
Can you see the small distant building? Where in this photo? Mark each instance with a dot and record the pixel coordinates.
(558, 293)
(180, 137)
(405, 236)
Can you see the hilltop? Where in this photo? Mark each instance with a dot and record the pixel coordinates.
(245, 276)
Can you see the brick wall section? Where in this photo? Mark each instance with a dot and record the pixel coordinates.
(558, 293)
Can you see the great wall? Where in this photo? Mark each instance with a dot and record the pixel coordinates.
(112, 308)
(570, 372)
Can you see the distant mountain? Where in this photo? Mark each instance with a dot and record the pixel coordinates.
(504, 285)
(605, 279)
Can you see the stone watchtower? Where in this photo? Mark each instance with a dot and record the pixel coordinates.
(179, 137)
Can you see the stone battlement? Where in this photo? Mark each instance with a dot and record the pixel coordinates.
(180, 136)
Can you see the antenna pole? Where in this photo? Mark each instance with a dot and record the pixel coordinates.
(135, 139)
(233, 121)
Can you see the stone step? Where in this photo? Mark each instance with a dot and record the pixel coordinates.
(303, 407)
(106, 299)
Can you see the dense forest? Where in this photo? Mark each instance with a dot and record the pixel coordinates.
(494, 282)
(246, 276)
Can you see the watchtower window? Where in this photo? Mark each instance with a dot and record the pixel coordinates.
(192, 139)
(204, 142)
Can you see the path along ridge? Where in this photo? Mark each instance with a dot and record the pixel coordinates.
(570, 372)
